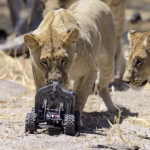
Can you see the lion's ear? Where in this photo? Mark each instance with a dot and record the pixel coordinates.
(146, 43)
(72, 35)
(31, 41)
(131, 34)
(147, 40)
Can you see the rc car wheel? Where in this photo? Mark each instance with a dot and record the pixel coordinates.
(30, 122)
(69, 124)
(77, 120)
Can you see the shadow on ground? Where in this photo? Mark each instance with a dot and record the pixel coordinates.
(98, 120)
(91, 121)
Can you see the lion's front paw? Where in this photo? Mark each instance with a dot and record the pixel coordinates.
(113, 109)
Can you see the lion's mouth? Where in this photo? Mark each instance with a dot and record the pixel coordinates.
(144, 83)
(61, 81)
(138, 85)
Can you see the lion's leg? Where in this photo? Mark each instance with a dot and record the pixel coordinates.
(118, 10)
(106, 73)
(120, 63)
(82, 89)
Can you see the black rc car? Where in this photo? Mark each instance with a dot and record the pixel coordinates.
(54, 109)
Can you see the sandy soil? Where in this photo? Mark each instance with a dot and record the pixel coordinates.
(100, 130)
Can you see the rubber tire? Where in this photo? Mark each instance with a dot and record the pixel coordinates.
(31, 122)
(77, 120)
(69, 124)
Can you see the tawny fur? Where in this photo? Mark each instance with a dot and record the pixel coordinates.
(69, 43)
(118, 8)
(138, 67)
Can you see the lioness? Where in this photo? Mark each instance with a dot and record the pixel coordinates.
(138, 67)
(70, 45)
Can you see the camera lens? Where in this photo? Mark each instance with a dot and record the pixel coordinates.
(52, 96)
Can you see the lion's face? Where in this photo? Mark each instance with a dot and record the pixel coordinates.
(138, 68)
(53, 53)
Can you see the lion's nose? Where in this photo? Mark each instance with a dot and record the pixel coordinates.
(127, 77)
(126, 80)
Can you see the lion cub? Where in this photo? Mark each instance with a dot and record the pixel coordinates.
(138, 67)
(70, 44)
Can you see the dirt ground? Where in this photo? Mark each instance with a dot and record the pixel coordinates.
(100, 130)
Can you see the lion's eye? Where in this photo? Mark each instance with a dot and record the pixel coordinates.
(44, 62)
(64, 60)
(139, 61)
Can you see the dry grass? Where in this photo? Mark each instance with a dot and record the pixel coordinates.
(118, 133)
(19, 71)
(139, 121)
(16, 69)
